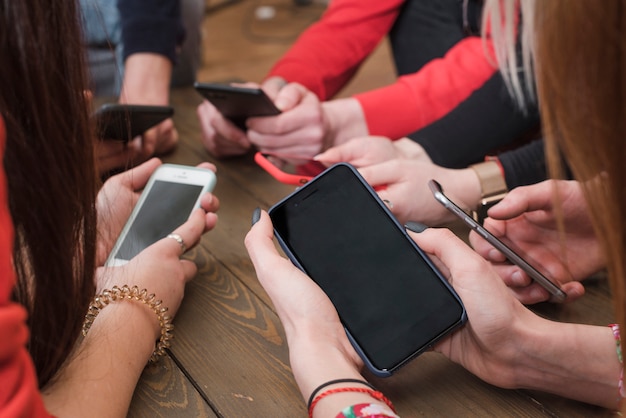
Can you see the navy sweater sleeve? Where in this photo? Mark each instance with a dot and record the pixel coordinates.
(153, 26)
(524, 165)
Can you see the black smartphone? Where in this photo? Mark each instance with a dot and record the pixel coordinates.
(237, 103)
(393, 302)
(123, 122)
(556, 293)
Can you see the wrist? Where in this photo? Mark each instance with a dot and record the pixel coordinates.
(129, 324)
(461, 186)
(493, 187)
(343, 120)
(146, 306)
(343, 394)
(316, 362)
(571, 360)
(147, 78)
(106, 365)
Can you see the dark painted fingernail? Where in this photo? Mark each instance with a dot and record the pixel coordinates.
(256, 215)
(415, 226)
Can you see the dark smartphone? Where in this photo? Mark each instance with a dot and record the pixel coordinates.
(123, 122)
(557, 294)
(237, 103)
(391, 299)
(289, 171)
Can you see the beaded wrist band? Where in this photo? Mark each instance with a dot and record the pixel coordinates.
(332, 382)
(133, 294)
(370, 390)
(379, 396)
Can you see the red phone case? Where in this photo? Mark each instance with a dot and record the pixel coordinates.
(278, 174)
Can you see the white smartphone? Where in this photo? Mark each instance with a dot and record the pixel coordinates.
(166, 202)
(557, 294)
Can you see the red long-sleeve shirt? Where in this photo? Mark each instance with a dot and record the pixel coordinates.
(328, 54)
(19, 394)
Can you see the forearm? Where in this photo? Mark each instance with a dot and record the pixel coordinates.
(571, 360)
(146, 79)
(327, 55)
(344, 120)
(100, 377)
(418, 99)
(524, 165)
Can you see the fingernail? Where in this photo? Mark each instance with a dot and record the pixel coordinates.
(415, 226)
(256, 215)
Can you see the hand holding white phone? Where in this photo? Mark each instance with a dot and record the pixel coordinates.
(166, 202)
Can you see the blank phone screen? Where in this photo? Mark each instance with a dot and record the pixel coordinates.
(166, 207)
(387, 295)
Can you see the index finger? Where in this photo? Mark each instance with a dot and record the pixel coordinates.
(383, 173)
(524, 199)
(350, 152)
(361, 151)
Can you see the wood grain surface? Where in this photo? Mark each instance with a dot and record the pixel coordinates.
(229, 357)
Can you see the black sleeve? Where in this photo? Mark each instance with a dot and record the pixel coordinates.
(524, 165)
(151, 26)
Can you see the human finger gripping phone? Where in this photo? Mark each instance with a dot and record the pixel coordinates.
(123, 122)
(171, 194)
(391, 299)
(286, 171)
(237, 103)
(556, 293)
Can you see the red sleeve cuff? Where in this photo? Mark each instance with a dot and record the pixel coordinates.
(421, 98)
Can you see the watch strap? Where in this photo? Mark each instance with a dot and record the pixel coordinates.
(492, 185)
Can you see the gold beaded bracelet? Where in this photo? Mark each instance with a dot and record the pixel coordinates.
(133, 293)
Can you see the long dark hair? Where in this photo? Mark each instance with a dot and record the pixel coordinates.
(49, 162)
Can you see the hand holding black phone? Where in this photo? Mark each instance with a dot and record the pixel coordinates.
(123, 122)
(391, 299)
(237, 103)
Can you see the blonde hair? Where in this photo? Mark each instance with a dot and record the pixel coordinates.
(503, 23)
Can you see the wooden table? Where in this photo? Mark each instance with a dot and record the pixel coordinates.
(229, 357)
